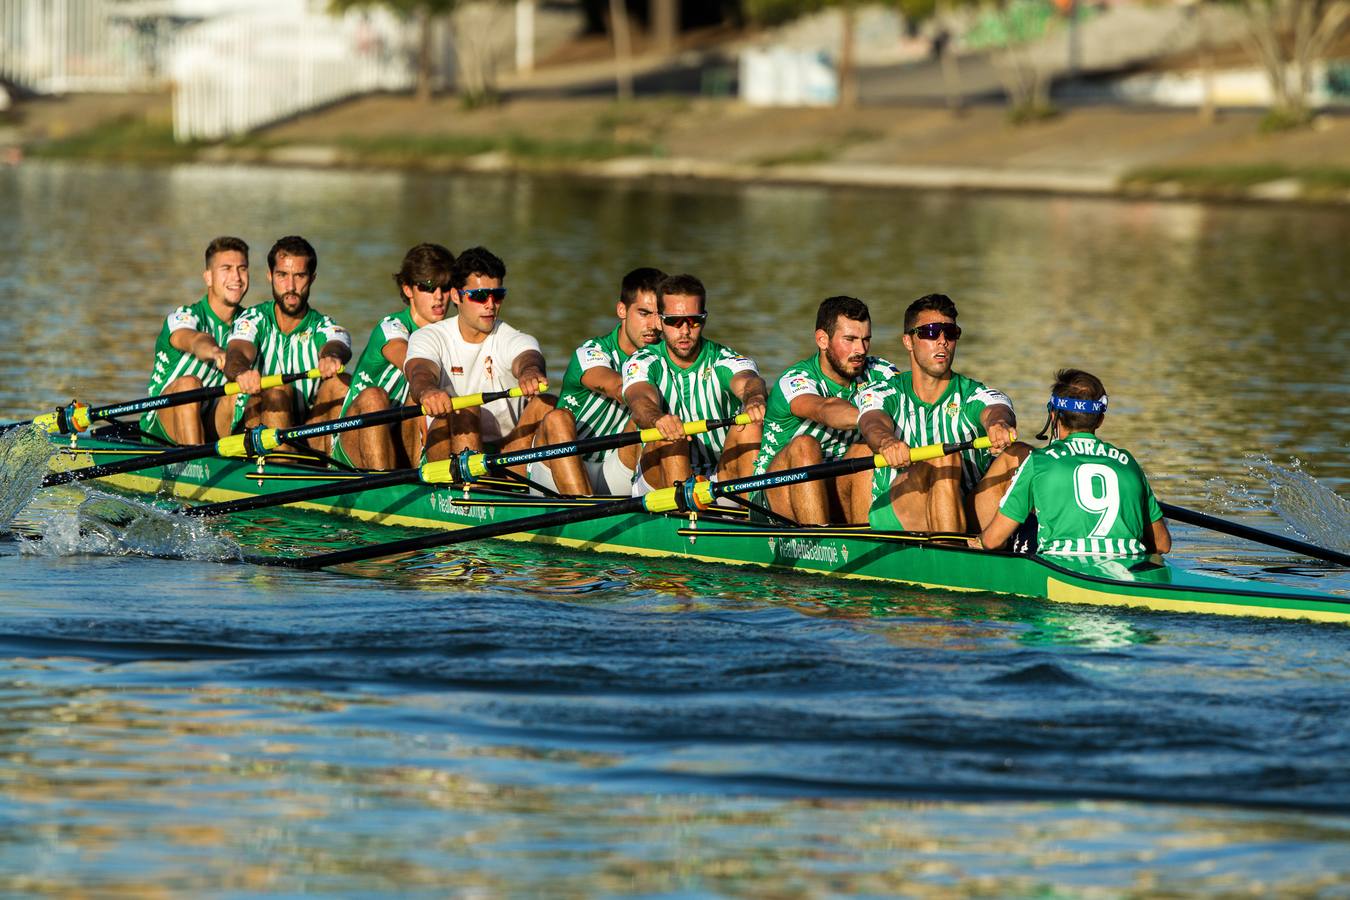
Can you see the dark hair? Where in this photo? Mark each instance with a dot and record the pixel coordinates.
(1079, 385)
(293, 245)
(425, 263)
(639, 280)
(940, 302)
(224, 244)
(687, 285)
(831, 308)
(476, 261)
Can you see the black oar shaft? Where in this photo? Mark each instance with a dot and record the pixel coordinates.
(102, 470)
(1223, 526)
(443, 538)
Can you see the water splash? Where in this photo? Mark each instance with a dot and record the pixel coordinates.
(24, 455)
(107, 525)
(1310, 507)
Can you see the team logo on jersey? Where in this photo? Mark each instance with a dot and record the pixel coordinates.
(705, 374)
(456, 370)
(952, 407)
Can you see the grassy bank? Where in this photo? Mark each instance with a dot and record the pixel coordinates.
(1316, 183)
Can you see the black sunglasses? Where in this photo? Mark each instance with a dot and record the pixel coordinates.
(693, 320)
(431, 287)
(929, 332)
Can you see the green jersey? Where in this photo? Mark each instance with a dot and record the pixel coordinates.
(172, 363)
(596, 415)
(955, 416)
(373, 369)
(279, 352)
(803, 378)
(1090, 498)
(702, 391)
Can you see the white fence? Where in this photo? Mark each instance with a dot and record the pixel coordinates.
(60, 46)
(237, 73)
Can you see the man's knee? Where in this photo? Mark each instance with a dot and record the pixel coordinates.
(803, 450)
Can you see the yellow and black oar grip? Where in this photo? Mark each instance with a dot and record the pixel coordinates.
(934, 451)
(442, 471)
(469, 401)
(651, 435)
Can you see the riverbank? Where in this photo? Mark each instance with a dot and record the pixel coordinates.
(1096, 150)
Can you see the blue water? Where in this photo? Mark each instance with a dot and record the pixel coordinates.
(509, 720)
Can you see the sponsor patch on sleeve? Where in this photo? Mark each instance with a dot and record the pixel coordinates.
(245, 329)
(590, 356)
(796, 384)
(332, 331)
(393, 329)
(872, 397)
(991, 397)
(183, 317)
(738, 364)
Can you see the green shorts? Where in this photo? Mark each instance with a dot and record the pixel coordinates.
(881, 516)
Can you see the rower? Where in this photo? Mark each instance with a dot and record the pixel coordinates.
(377, 381)
(687, 378)
(590, 403)
(474, 352)
(932, 404)
(288, 335)
(810, 417)
(190, 350)
(1089, 497)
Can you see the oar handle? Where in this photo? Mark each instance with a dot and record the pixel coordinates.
(470, 466)
(471, 400)
(77, 417)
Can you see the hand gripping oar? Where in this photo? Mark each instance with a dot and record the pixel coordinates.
(258, 441)
(1192, 517)
(79, 416)
(683, 497)
(467, 467)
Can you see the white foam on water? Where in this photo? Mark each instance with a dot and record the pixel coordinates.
(103, 524)
(24, 454)
(1308, 506)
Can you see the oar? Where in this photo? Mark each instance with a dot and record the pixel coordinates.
(1223, 526)
(258, 441)
(78, 416)
(467, 467)
(683, 497)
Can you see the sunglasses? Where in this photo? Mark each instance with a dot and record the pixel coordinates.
(693, 321)
(482, 295)
(431, 287)
(950, 330)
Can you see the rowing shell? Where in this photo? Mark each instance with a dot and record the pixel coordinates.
(849, 552)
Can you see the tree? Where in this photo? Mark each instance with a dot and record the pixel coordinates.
(424, 12)
(1011, 32)
(1289, 38)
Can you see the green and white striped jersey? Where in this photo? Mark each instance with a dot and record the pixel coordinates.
(954, 417)
(373, 369)
(806, 377)
(596, 415)
(172, 363)
(279, 352)
(1090, 498)
(702, 391)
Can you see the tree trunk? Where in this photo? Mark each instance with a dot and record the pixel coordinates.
(424, 72)
(665, 18)
(848, 75)
(623, 48)
(1208, 114)
(951, 72)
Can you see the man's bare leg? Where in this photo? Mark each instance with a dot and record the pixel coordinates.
(666, 462)
(927, 496)
(412, 438)
(806, 501)
(522, 437)
(996, 481)
(327, 404)
(854, 492)
(739, 452)
(371, 447)
(183, 424)
(569, 474)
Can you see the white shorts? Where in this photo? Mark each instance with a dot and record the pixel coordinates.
(608, 475)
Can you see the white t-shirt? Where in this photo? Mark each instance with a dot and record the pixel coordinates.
(476, 368)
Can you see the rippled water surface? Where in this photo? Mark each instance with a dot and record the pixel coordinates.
(504, 720)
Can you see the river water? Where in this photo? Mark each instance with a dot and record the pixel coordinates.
(499, 720)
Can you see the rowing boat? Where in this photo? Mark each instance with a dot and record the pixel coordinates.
(718, 536)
